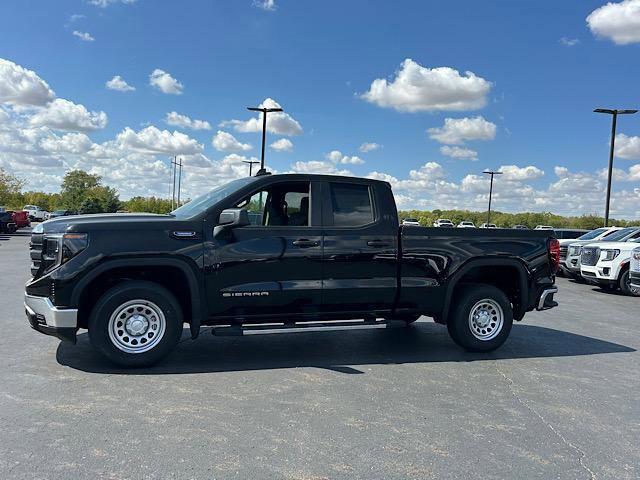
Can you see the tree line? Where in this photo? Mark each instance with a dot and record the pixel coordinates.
(84, 193)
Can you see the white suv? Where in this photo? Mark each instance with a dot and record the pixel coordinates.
(443, 222)
(607, 263)
(35, 212)
(570, 250)
(634, 268)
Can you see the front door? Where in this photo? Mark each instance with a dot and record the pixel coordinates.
(272, 267)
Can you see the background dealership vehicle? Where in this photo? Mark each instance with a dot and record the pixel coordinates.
(520, 227)
(62, 213)
(35, 212)
(543, 227)
(320, 248)
(607, 263)
(569, 233)
(443, 222)
(7, 224)
(412, 222)
(466, 224)
(570, 258)
(488, 225)
(634, 268)
(21, 219)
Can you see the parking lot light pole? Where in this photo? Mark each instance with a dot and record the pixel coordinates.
(614, 114)
(492, 173)
(264, 111)
(251, 164)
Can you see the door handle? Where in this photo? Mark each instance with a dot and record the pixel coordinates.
(378, 243)
(305, 243)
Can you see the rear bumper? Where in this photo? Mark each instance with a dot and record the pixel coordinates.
(46, 318)
(546, 301)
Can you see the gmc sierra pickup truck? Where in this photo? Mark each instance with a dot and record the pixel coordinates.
(279, 253)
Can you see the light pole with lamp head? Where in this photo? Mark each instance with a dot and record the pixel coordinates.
(614, 114)
(492, 173)
(251, 164)
(264, 111)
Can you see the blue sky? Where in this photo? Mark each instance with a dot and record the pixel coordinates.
(537, 70)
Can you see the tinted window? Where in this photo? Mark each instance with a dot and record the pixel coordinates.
(619, 235)
(351, 205)
(592, 234)
(285, 204)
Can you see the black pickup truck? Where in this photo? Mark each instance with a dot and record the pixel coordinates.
(279, 253)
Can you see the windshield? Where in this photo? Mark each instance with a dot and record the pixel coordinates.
(619, 235)
(204, 202)
(592, 234)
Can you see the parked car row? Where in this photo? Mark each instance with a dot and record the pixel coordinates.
(10, 220)
(602, 257)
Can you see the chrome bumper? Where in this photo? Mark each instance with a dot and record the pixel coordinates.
(47, 314)
(546, 299)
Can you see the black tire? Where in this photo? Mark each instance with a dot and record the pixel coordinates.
(459, 323)
(625, 286)
(144, 297)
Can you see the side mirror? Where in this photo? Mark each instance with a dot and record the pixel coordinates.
(231, 218)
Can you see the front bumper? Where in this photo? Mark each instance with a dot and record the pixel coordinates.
(604, 275)
(46, 318)
(546, 301)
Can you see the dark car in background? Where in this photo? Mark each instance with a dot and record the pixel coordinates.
(62, 213)
(565, 233)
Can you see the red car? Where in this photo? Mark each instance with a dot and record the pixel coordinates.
(21, 219)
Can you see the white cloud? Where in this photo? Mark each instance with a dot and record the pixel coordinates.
(460, 153)
(619, 22)
(84, 36)
(513, 172)
(630, 175)
(269, 5)
(456, 131)
(177, 120)
(369, 147)
(385, 177)
(164, 82)
(225, 142)
(153, 140)
(279, 123)
(22, 87)
(336, 157)
(63, 114)
(118, 83)
(627, 147)
(77, 143)
(569, 42)
(282, 145)
(106, 3)
(319, 166)
(75, 17)
(416, 88)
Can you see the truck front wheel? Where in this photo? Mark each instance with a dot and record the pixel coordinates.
(135, 323)
(481, 318)
(625, 285)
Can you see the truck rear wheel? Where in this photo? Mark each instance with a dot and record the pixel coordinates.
(481, 318)
(136, 323)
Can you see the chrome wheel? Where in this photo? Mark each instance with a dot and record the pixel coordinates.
(486, 319)
(137, 326)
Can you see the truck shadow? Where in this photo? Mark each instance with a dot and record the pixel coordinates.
(338, 351)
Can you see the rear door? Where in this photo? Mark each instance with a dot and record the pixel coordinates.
(360, 247)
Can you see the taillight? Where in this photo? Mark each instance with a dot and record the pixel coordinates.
(554, 253)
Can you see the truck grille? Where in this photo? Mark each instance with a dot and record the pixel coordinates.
(563, 252)
(43, 253)
(590, 255)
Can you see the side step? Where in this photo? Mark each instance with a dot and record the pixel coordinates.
(271, 328)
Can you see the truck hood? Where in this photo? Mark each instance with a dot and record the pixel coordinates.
(80, 223)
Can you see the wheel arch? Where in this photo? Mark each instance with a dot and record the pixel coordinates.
(487, 266)
(189, 294)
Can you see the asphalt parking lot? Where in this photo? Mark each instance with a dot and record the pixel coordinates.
(558, 400)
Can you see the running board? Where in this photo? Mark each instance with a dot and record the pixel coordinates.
(268, 329)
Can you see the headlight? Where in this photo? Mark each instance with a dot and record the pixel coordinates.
(609, 254)
(636, 255)
(72, 245)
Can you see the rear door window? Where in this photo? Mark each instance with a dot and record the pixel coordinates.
(351, 204)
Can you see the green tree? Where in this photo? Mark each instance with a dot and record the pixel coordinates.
(75, 187)
(10, 187)
(148, 205)
(90, 205)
